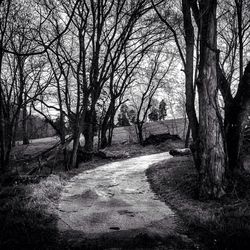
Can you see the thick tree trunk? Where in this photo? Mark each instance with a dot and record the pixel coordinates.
(7, 134)
(104, 140)
(88, 133)
(6, 145)
(6, 137)
(239, 9)
(236, 117)
(211, 142)
(232, 131)
(244, 114)
(189, 69)
(89, 142)
(189, 81)
(89, 139)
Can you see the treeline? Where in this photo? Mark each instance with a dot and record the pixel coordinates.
(36, 128)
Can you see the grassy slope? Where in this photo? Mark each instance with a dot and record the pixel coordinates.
(128, 134)
(25, 221)
(221, 224)
(24, 204)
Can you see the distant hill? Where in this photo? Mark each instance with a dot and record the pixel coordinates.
(128, 134)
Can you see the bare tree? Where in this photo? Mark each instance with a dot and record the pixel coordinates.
(149, 81)
(217, 141)
(19, 33)
(100, 32)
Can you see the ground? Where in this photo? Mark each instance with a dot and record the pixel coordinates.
(27, 211)
(114, 206)
(216, 224)
(32, 208)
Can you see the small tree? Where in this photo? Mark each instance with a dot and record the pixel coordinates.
(123, 116)
(124, 109)
(132, 116)
(162, 110)
(154, 115)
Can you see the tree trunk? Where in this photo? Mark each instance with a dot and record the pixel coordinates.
(15, 132)
(104, 140)
(89, 141)
(111, 124)
(140, 133)
(233, 106)
(244, 114)
(88, 133)
(24, 125)
(239, 9)
(7, 134)
(111, 129)
(89, 138)
(63, 139)
(104, 128)
(236, 117)
(6, 145)
(232, 130)
(189, 81)
(211, 142)
(187, 136)
(76, 139)
(106, 124)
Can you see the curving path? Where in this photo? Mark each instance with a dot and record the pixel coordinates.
(115, 200)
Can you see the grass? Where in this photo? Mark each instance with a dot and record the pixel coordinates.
(134, 149)
(24, 215)
(26, 202)
(222, 224)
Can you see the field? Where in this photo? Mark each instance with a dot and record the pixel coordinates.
(121, 136)
(128, 134)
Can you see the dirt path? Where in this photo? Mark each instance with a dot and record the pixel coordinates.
(114, 203)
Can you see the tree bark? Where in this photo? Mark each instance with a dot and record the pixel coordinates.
(140, 132)
(189, 81)
(76, 138)
(240, 35)
(211, 141)
(189, 68)
(235, 116)
(89, 138)
(89, 141)
(244, 114)
(88, 132)
(105, 125)
(187, 136)
(111, 129)
(111, 124)
(24, 124)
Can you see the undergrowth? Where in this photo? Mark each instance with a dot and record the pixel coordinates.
(216, 224)
(24, 215)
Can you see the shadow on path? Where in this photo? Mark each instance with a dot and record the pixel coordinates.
(113, 206)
